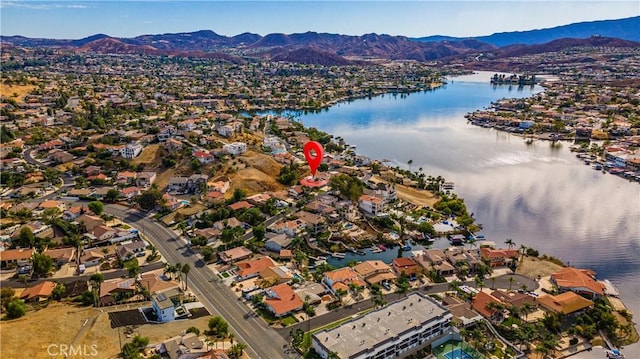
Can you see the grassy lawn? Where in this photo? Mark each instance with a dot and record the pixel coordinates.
(510, 321)
(225, 274)
(288, 320)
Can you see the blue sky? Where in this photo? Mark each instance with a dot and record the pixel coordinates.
(77, 19)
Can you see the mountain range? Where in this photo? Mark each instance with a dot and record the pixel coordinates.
(334, 49)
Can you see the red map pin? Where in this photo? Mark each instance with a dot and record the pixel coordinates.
(314, 154)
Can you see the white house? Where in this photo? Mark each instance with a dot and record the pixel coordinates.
(204, 157)
(371, 205)
(235, 148)
(278, 242)
(388, 332)
(131, 150)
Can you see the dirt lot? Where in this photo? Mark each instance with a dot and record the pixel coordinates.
(534, 267)
(31, 335)
(257, 176)
(415, 196)
(19, 90)
(151, 156)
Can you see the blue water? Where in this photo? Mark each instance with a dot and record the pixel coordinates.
(457, 353)
(539, 195)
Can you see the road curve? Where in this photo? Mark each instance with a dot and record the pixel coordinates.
(262, 341)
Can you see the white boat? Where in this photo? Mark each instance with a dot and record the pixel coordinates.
(338, 255)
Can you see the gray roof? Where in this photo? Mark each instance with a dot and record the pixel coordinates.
(370, 330)
(163, 301)
(281, 239)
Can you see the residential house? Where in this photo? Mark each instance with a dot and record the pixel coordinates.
(371, 206)
(375, 271)
(277, 242)
(435, 259)
(235, 254)
(581, 281)
(12, 258)
(296, 191)
(235, 148)
(172, 145)
(213, 197)
(61, 256)
(127, 251)
(92, 170)
(470, 258)
(177, 184)
(163, 307)
(515, 299)
(90, 222)
(48, 204)
(480, 304)
(92, 257)
(102, 233)
(40, 291)
(499, 257)
(240, 205)
(291, 228)
(210, 234)
(258, 198)
(204, 157)
(275, 275)
(567, 303)
(281, 300)
(145, 179)
(342, 278)
(251, 268)
(116, 290)
(72, 213)
(131, 150)
(60, 156)
(154, 283)
(313, 222)
(232, 222)
(126, 177)
(405, 266)
(130, 192)
(220, 186)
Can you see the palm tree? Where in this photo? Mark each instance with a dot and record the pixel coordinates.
(511, 280)
(25, 280)
(454, 285)
(479, 282)
(493, 282)
(509, 242)
(96, 279)
(339, 294)
(526, 309)
(523, 251)
(185, 269)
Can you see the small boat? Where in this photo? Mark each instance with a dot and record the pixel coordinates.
(375, 249)
(382, 247)
(480, 236)
(359, 252)
(338, 255)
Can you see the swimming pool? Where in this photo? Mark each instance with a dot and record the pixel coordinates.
(457, 353)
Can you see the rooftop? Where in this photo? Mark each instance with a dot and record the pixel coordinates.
(384, 324)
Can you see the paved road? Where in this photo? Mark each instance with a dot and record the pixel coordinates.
(16, 283)
(262, 342)
(501, 282)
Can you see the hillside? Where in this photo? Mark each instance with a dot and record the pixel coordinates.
(626, 29)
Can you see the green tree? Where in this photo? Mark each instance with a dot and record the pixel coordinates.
(132, 349)
(42, 264)
(239, 194)
(207, 253)
(96, 207)
(112, 196)
(185, 270)
(150, 199)
(16, 308)
(25, 239)
(133, 267)
(58, 291)
(218, 326)
(49, 215)
(259, 232)
(509, 242)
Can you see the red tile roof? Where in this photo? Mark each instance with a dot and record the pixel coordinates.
(480, 302)
(282, 299)
(41, 290)
(573, 278)
(565, 303)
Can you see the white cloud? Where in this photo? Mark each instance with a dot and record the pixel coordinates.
(40, 6)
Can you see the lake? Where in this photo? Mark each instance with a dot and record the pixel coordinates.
(537, 194)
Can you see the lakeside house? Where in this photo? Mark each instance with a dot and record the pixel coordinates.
(580, 281)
